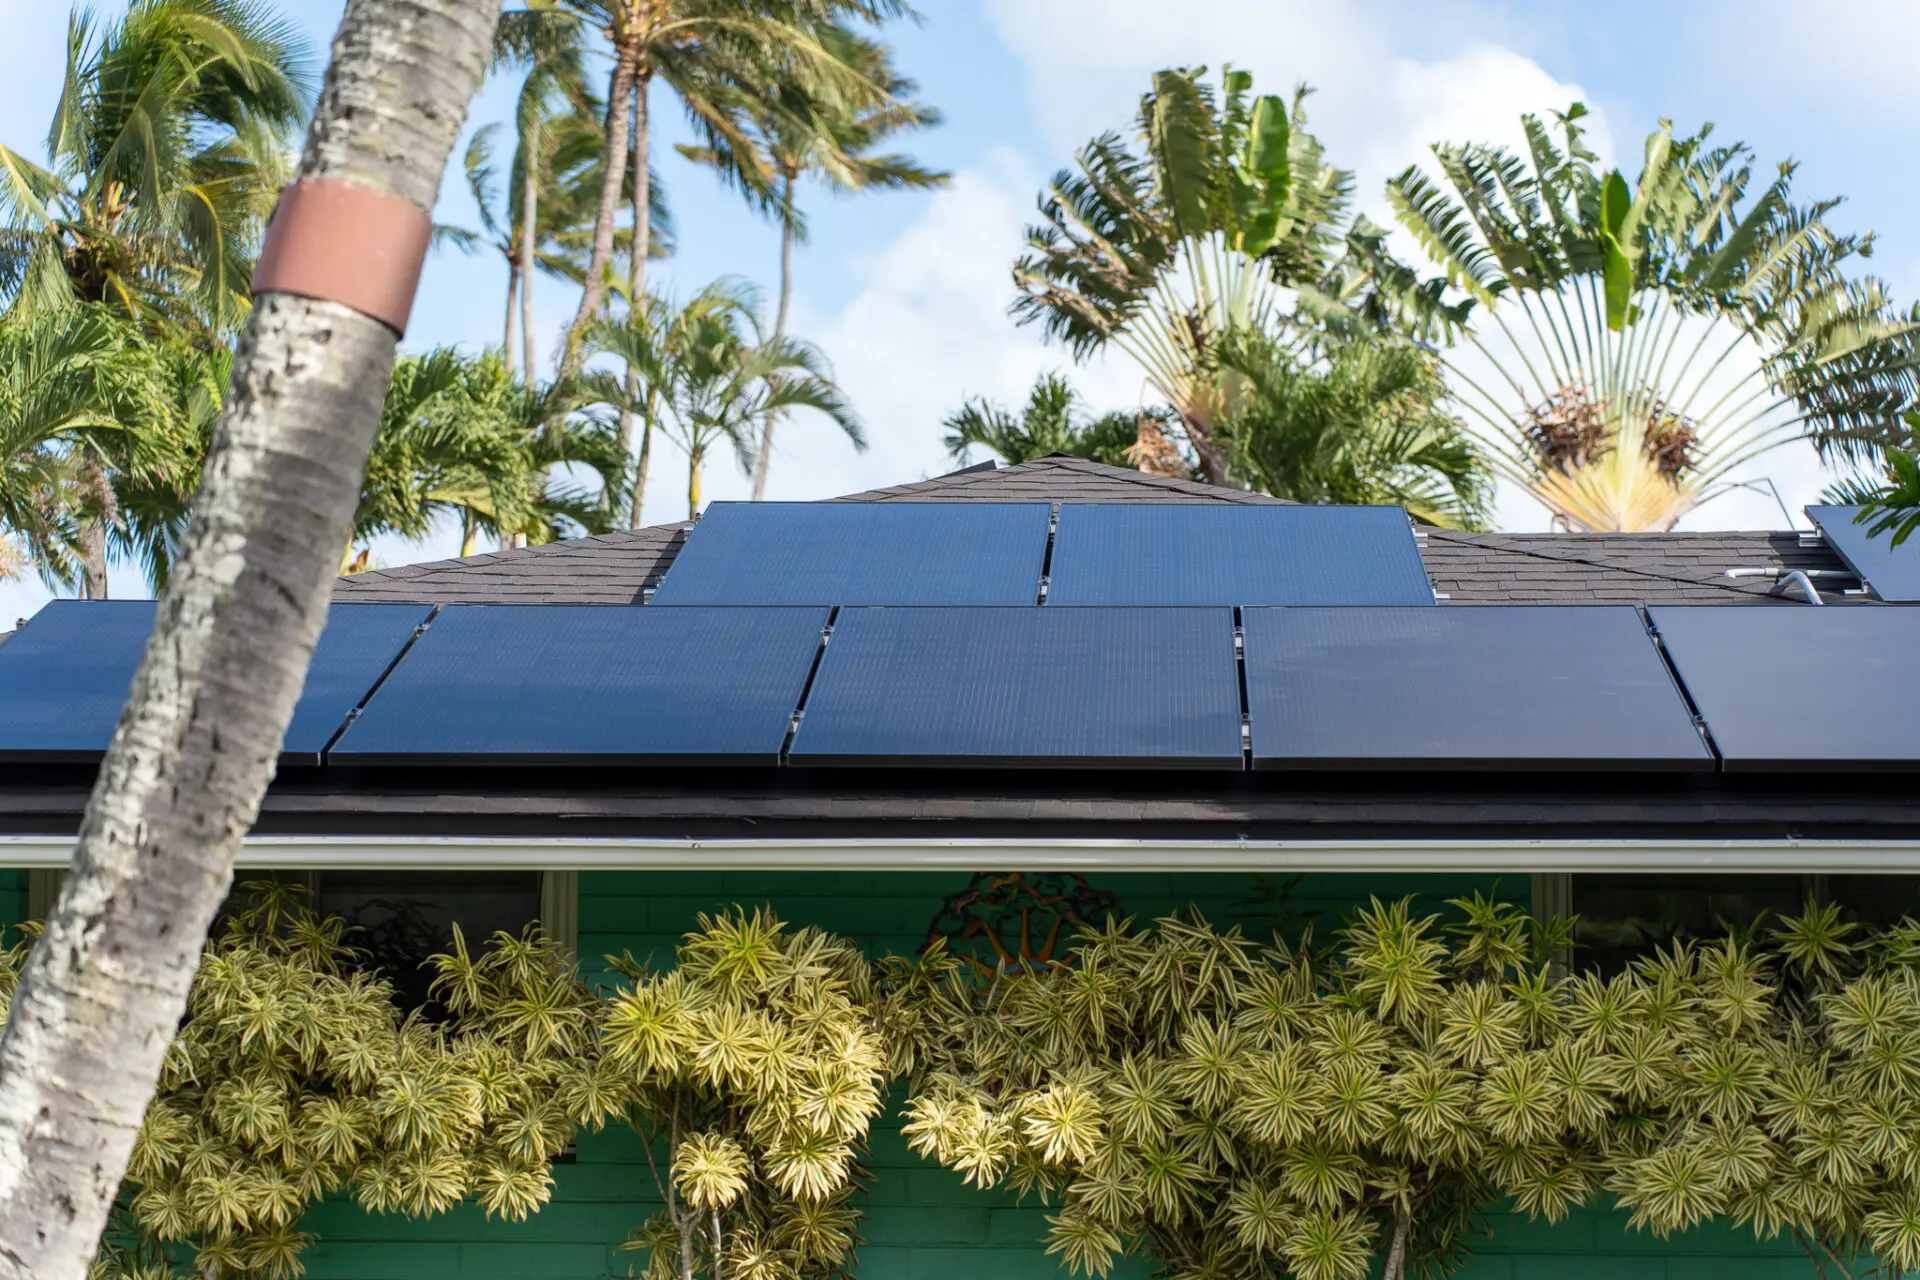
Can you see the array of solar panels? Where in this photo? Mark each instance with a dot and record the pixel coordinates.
(1025, 553)
(766, 647)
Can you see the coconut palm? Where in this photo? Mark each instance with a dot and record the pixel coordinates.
(569, 154)
(167, 149)
(1226, 217)
(1363, 424)
(710, 373)
(707, 52)
(1634, 345)
(86, 410)
(1050, 422)
(803, 126)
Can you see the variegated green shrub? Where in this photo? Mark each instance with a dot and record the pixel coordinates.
(295, 1075)
(753, 1069)
(1239, 1110)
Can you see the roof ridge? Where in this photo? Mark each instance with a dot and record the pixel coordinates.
(1152, 480)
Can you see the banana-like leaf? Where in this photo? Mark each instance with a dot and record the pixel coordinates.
(1262, 183)
(1181, 136)
(1615, 206)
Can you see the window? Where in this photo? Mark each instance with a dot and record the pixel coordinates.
(401, 918)
(1623, 917)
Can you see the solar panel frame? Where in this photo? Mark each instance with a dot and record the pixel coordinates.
(1800, 688)
(1892, 572)
(91, 649)
(1503, 687)
(861, 553)
(591, 684)
(1248, 554)
(1010, 687)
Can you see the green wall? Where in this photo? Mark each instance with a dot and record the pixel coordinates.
(923, 1223)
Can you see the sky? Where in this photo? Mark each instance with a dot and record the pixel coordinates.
(907, 293)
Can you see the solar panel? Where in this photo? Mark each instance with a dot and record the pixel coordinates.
(591, 683)
(1251, 554)
(65, 676)
(1800, 687)
(861, 553)
(1081, 687)
(1893, 572)
(1514, 686)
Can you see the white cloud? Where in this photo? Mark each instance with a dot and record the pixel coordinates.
(927, 328)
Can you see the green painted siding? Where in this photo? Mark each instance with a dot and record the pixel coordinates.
(923, 1223)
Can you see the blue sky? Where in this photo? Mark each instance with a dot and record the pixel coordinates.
(907, 292)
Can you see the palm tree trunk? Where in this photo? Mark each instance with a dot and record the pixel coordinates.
(764, 455)
(625, 65)
(693, 481)
(98, 492)
(529, 238)
(508, 340)
(637, 265)
(640, 471)
(103, 992)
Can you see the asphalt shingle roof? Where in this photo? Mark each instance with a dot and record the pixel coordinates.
(1466, 568)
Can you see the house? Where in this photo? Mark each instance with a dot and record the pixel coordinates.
(1652, 731)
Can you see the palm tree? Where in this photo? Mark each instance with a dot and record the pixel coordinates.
(803, 127)
(86, 413)
(707, 52)
(709, 373)
(1227, 218)
(167, 150)
(1050, 422)
(569, 155)
(183, 779)
(1634, 344)
(462, 437)
(1362, 424)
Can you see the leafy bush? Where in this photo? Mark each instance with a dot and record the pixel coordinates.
(758, 1064)
(1252, 1111)
(294, 1074)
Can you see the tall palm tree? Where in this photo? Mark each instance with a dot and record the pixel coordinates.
(167, 149)
(1051, 421)
(569, 154)
(1634, 344)
(86, 409)
(183, 779)
(706, 52)
(711, 373)
(1363, 423)
(801, 126)
(1226, 217)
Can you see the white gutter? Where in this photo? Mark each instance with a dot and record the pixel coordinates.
(616, 854)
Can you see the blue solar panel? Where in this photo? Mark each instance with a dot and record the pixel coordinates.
(1121, 687)
(861, 553)
(1893, 572)
(592, 683)
(1251, 554)
(1515, 686)
(65, 676)
(361, 641)
(1795, 687)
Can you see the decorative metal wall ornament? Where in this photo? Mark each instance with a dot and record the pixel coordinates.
(992, 922)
